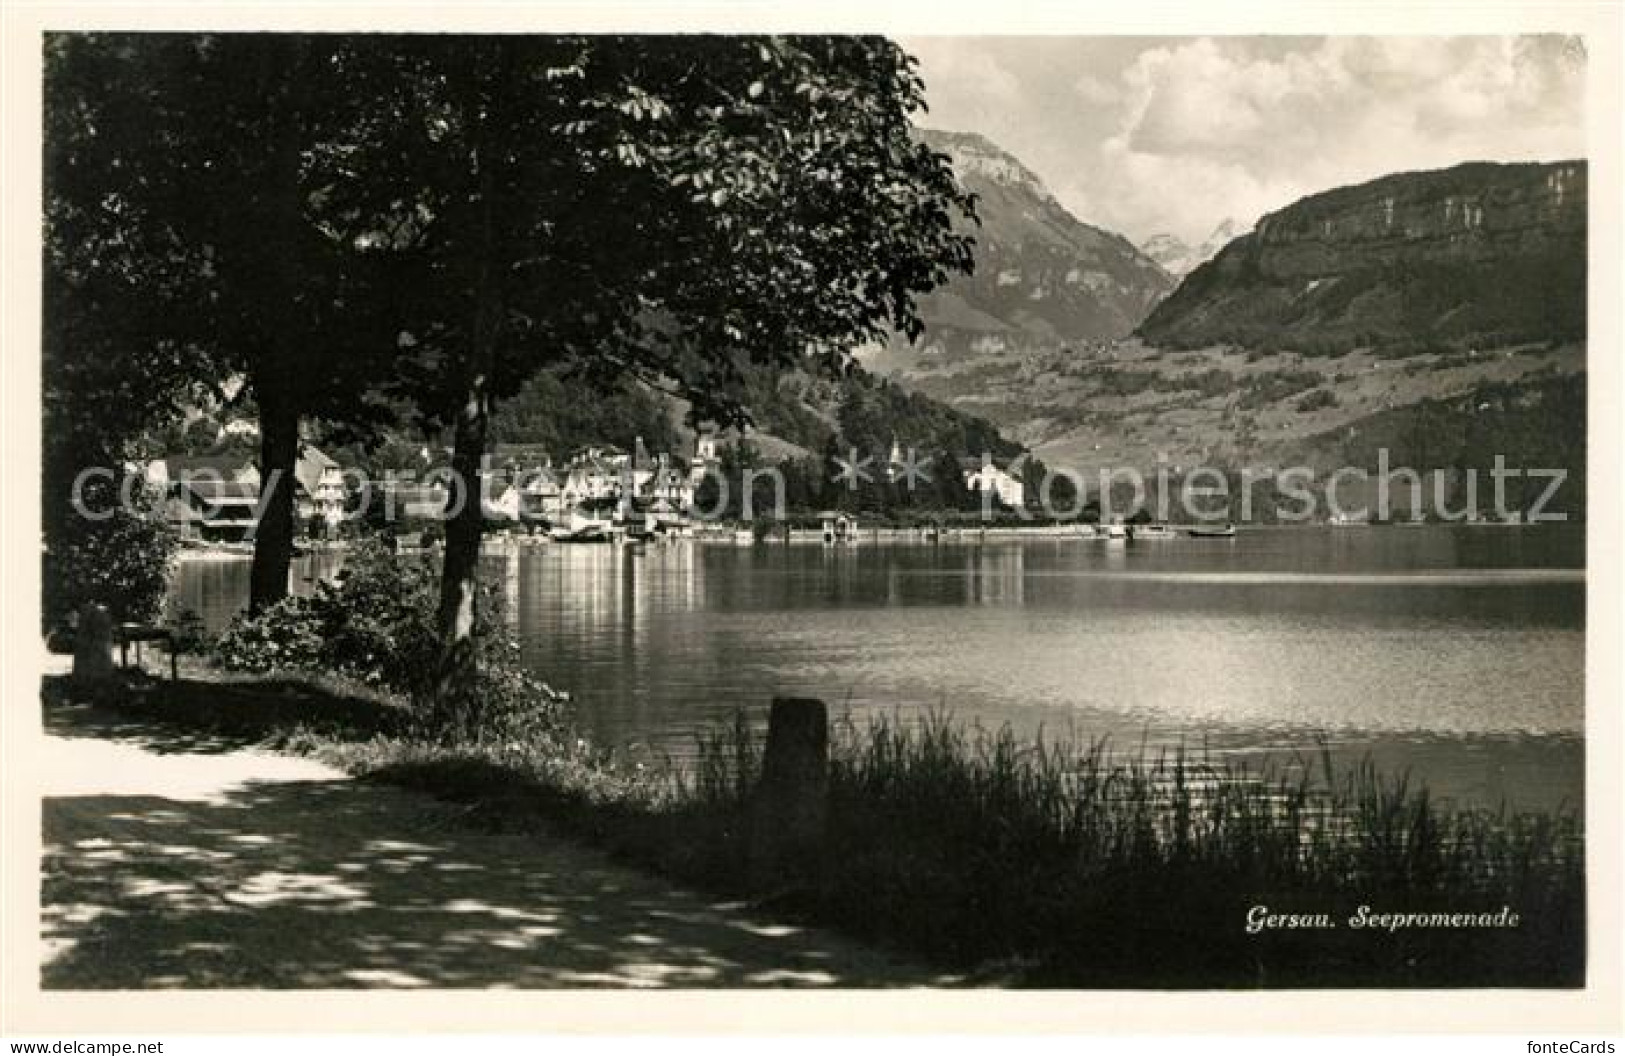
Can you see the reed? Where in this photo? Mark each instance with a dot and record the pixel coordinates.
(1087, 865)
(1050, 861)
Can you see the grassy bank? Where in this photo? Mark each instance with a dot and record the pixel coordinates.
(1047, 864)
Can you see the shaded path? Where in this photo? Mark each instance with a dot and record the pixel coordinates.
(197, 864)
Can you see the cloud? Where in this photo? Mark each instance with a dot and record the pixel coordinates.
(1146, 135)
(1209, 130)
(966, 79)
(1096, 91)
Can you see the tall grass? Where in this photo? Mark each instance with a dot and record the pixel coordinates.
(1049, 861)
(1087, 865)
(1062, 862)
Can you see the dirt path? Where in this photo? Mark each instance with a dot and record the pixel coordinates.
(190, 863)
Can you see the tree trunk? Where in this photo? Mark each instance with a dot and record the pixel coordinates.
(459, 577)
(273, 537)
(277, 376)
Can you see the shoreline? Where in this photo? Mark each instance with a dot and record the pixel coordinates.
(1088, 865)
(712, 535)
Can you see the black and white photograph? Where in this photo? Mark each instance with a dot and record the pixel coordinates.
(750, 509)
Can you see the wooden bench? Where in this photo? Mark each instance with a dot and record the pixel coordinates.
(126, 633)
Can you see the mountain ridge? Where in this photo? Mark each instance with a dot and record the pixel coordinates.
(1354, 307)
(1478, 253)
(1043, 276)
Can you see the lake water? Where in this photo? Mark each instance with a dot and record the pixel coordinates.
(1455, 651)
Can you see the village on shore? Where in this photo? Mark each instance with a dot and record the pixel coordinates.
(600, 493)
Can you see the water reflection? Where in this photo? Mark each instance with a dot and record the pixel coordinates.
(1457, 651)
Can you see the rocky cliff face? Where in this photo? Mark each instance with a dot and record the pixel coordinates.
(1476, 254)
(1043, 277)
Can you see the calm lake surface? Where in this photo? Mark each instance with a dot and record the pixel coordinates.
(1457, 652)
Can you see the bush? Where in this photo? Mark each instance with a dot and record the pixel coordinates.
(284, 636)
(1317, 400)
(1273, 386)
(121, 562)
(376, 624)
(373, 623)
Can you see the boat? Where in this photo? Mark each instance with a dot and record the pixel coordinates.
(1224, 531)
(591, 533)
(1115, 533)
(744, 537)
(1150, 531)
(581, 529)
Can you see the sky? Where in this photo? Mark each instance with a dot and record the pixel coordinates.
(1152, 135)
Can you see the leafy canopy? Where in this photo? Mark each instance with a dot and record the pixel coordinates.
(671, 209)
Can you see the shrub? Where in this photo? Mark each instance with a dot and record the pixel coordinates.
(373, 623)
(1317, 400)
(1272, 386)
(121, 561)
(376, 624)
(284, 636)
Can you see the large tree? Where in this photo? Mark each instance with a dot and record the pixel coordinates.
(670, 209)
(206, 209)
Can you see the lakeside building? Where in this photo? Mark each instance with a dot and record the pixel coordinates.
(983, 476)
(704, 460)
(319, 492)
(216, 498)
(603, 475)
(411, 500)
(528, 469)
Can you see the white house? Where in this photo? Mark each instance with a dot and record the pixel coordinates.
(541, 494)
(501, 502)
(985, 476)
(595, 474)
(319, 493)
(667, 486)
(705, 458)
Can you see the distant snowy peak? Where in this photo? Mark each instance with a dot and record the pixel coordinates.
(1180, 258)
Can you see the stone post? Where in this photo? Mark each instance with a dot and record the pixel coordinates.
(791, 807)
(93, 648)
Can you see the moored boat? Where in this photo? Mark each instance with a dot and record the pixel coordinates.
(1203, 531)
(581, 529)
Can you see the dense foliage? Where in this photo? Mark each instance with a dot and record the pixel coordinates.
(548, 411)
(119, 558)
(375, 624)
(1533, 424)
(209, 209)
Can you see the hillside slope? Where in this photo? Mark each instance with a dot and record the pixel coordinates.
(1043, 277)
(1341, 317)
(1476, 255)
